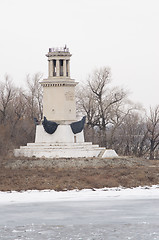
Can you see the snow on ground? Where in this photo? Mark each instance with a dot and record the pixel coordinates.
(32, 196)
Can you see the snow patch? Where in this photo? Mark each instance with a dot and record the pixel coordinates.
(119, 193)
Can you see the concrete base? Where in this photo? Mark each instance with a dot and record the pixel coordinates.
(63, 150)
(109, 153)
(63, 134)
(62, 144)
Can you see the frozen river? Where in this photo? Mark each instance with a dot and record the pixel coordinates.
(88, 215)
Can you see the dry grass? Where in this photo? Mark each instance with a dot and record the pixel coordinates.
(113, 174)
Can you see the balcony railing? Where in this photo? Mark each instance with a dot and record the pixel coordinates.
(59, 49)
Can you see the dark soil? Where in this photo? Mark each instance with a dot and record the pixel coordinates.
(64, 174)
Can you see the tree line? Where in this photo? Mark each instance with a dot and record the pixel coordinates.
(18, 108)
(113, 121)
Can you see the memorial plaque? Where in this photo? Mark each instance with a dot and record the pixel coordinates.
(69, 96)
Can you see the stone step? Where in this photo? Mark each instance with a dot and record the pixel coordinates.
(61, 144)
(57, 153)
(64, 150)
(53, 147)
(102, 152)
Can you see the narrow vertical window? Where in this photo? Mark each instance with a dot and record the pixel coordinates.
(61, 67)
(54, 67)
(66, 68)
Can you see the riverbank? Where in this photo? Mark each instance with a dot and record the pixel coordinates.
(81, 173)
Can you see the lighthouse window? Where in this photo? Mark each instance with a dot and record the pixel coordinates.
(61, 67)
(67, 68)
(54, 67)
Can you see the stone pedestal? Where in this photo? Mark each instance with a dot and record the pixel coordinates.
(64, 150)
(63, 134)
(62, 144)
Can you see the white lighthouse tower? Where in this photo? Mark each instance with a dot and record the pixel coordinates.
(59, 89)
(59, 103)
(60, 135)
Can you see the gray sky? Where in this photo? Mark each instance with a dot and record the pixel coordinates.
(121, 34)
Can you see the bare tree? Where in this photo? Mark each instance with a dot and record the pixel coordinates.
(17, 109)
(118, 115)
(34, 96)
(7, 93)
(132, 135)
(153, 130)
(112, 119)
(97, 101)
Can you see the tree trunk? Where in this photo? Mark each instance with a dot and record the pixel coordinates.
(152, 150)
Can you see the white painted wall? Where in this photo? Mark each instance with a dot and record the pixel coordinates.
(63, 134)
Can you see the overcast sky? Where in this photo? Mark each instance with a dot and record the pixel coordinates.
(121, 34)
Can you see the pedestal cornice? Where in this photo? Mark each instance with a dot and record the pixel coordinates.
(57, 82)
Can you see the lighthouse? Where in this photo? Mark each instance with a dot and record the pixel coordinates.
(60, 133)
(59, 89)
(59, 104)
